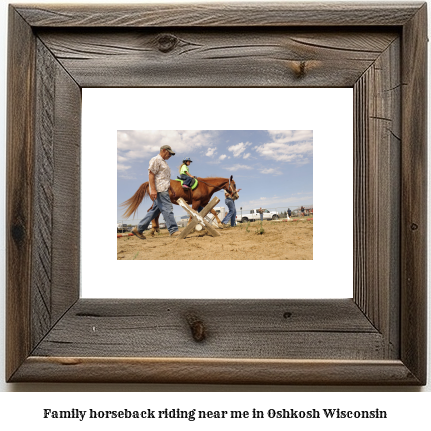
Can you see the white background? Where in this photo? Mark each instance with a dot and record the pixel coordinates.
(408, 410)
(328, 112)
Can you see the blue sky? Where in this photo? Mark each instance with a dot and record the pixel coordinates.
(274, 168)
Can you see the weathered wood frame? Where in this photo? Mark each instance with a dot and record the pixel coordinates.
(378, 337)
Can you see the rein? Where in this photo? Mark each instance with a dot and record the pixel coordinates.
(220, 188)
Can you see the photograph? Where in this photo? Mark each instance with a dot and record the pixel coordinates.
(262, 181)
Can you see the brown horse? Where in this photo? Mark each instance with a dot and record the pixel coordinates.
(199, 197)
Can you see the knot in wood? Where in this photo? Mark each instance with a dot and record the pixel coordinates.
(18, 233)
(299, 68)
(167, 42)
(197, 327)
(414, 226)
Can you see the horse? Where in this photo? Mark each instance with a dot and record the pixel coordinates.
(197, 198)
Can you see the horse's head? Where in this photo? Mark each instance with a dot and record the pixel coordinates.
(232, 188)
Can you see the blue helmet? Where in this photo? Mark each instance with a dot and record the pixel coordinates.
(187, 160)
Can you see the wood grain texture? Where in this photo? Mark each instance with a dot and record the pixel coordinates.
(221, 14)
(377, 144)
(43, 194)
(55, 285)
(234, 329)
(19, 191)
(414, 195)
(215, 371)
(67, 194)
(216, 57)
(377, 338)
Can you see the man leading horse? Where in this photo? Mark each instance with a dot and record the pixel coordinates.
(197, 198)
(159, 175)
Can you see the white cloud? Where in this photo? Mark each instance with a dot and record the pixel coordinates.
(211, 151)
(127, 177)
(246, 156)
(222, 157)
(144, 144)
(239, 148)
(124, 172)
(293, 146)
(121, 167)
(272, 171)
(237, 167)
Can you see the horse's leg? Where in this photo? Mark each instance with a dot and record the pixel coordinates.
(195, 205)
(155, 226)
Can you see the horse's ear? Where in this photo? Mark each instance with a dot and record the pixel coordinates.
(231, 177)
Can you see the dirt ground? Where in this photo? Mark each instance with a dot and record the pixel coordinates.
(280, 240)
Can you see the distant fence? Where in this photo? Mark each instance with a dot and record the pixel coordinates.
(128, 225)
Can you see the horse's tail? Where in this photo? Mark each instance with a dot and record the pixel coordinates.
(132, 204)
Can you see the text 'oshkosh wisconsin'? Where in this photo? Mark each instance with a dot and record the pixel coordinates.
(193, 414)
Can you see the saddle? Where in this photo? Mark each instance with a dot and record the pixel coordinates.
(195, 184)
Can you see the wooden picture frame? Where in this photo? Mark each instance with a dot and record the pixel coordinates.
(376, 338)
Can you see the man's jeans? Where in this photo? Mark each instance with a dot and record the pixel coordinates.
(231, 214)
(163, 205)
